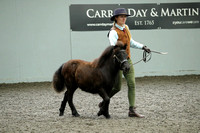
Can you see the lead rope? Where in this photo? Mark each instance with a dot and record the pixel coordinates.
(145, 59)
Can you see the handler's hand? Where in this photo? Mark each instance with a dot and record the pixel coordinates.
(146, 49)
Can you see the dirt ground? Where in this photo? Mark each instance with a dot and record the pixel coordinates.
(170, 104)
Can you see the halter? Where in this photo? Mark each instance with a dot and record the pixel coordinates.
(118, 60)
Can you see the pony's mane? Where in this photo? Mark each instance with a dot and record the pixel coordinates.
(99, 62)
(105, 55)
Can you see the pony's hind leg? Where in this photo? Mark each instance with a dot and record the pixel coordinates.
(70, 102)
(63, 104)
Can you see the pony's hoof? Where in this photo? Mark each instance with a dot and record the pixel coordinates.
(99, 113)
(103, 113)
(107, 116)
(76, 115)
(61, 114)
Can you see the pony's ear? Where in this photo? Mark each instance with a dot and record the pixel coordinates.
(119, 44)
(116, 46)
(124, 47)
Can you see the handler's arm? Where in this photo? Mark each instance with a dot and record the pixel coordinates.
(135, 44)
(113, 37)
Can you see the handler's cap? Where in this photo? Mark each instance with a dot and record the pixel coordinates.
(119, 11)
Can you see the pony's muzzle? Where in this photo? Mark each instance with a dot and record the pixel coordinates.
(125, 67)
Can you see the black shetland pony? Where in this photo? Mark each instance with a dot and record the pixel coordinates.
(97, 77)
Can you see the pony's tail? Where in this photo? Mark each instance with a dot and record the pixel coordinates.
(58, 81)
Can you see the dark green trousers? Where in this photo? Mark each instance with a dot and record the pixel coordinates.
(130, 79)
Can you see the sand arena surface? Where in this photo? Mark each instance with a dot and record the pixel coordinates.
(170, 104)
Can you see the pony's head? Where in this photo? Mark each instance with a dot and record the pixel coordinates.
(120, 56)
(117, 53)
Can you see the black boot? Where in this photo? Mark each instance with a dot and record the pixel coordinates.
(132, 113)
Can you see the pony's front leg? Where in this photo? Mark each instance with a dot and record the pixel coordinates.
(104, 110)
